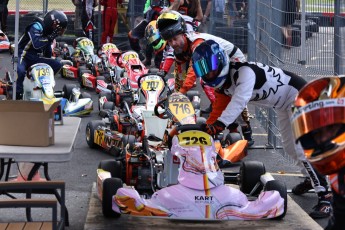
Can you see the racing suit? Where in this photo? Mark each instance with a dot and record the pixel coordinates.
(109, 19)
(138, 32)
(184, 73)
(34, 47)
(87, 18)
(268, 87)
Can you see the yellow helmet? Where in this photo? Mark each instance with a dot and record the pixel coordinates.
(318, 123)
(153, 37)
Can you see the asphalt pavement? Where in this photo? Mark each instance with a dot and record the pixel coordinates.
(80, 173)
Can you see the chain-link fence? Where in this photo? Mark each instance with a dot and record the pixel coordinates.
(308, 39)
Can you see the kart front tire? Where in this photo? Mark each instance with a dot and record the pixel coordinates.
(250, 173)
(67, 90)
(112, 166)
(275, 185)
(110, 187)
(109, 105)
(90, 132)
(232, 138)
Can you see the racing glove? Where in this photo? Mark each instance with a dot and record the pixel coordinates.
(215, 128)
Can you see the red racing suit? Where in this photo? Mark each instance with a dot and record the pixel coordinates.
(109, 19)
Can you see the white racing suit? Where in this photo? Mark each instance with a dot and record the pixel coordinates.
(268, 87)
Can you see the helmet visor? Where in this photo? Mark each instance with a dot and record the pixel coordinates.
(206, 67)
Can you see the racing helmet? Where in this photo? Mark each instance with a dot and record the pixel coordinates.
(153, 37)
(170, 24)
(318, 123)
(55, 22)
(210, 63)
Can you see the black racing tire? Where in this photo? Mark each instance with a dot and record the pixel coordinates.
(85, 95)
(109, 105)
(67, 90)
(113, 166)
(110, 187)
(100, 78)
(91, 127)
(232, 138)
(281, 188)
(250, 173)
(108, 95)
(128, 139)
(190, 94)
(81, 71)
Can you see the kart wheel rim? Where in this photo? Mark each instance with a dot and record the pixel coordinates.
(88, 134)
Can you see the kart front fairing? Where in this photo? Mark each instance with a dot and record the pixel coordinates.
(200, 193)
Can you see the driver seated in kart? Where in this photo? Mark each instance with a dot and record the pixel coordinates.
(35, 45)
(318, 123)
(239, 83)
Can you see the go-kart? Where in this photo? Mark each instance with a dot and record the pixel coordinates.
(39, 85)
(149, 165)
(6, 87)
(135, 115)
(4, 42)
(84, 65)
(111, 72)
(123, 86)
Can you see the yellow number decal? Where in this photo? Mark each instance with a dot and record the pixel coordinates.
(194, 138)
(99, 136)
(152, 85)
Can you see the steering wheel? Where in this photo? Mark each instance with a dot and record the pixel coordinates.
(147, 74)
(188, 127)
(161, 104)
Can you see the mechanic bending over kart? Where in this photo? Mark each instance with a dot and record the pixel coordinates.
(159, 45)
(173, 29)
(35, 45)
(151, 12)
(318, 122)
(236, 84)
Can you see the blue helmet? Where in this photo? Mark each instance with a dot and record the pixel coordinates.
(210, 63)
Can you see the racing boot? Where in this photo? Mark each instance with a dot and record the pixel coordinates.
(19, 96)
(337, 220)
(302, 187)
(247, 134)
(323, 208)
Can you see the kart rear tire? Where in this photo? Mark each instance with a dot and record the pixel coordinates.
(250, 173)
(281, 188)
(67, 90)
(110, 187)
(109, 105)
(90, 132)
(128, 139)
(112, 166)
(232, 138)
(85, 95)
(100, 78)
(81, 71)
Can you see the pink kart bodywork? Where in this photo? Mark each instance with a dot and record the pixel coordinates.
(200, 194)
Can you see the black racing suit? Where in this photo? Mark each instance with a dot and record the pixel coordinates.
(34, 47)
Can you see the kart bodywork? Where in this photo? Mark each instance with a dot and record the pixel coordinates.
(151, 168)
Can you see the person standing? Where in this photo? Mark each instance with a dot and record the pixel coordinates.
(239, 83)
(3, 15)
(109, 19)
(87, 17)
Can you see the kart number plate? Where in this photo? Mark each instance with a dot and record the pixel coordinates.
(152, 85)
(181, 110)
(194, 138)
(108, 46)
(85, 43)
(42, 71)
(129, 55)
